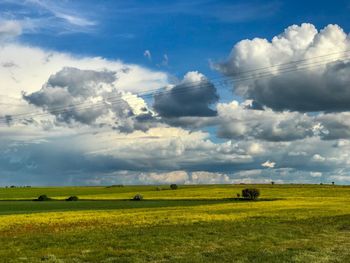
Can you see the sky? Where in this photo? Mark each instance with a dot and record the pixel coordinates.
(188, 92)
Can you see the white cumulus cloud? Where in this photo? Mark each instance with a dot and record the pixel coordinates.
(268, 164)
(302, 69)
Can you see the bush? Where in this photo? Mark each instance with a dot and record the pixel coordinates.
(173, 186)
(137, 197)
(43, 198)
(238, 195)
(72, 198)
(115, 185)
(250, 193)
(158, 188)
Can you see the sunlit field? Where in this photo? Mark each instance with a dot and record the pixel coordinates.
(289, 223)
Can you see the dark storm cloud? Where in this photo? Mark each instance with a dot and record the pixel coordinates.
(334, 126)
(254, 105)
(80, 95)
(305, 91)
(192, 97)
(80, 82)
(58, 160)
(62, 161)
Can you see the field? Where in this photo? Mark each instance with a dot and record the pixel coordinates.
(290, 223)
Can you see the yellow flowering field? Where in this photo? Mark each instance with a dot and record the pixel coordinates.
(287, 224)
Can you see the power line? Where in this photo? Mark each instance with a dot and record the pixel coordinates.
(185, 88)
(295, 61)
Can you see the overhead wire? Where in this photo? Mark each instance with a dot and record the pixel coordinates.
(181, 88)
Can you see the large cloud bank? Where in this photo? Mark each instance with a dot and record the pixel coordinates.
(318, 82)
(84, 122)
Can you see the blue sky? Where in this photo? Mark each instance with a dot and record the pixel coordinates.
(190, 33)
(91, 59)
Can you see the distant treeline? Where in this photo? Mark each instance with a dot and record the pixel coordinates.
(15, 186)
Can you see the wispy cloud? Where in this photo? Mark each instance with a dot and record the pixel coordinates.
(64, 12)
(74, 20)
(9, 29)
(147, 54)
(225, 12)
(51, 16)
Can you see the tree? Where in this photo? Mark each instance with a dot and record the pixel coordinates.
(137, 197)
(173, 186)
(43, 198)
(250, 193)
(72, 198)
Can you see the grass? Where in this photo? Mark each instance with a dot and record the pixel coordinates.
(292, 223)
(184, 192)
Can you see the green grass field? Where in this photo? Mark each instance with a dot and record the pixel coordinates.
(290, 223)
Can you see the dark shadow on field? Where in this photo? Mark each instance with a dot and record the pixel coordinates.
(29, 206)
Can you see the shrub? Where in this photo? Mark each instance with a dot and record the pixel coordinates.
(173, 186)
(115, 185)
(238, 195)
(72, 198)
(158, 188)
(43, 198)
(137, 197)
(250, 193)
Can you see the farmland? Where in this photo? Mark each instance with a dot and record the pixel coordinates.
(289, 223)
